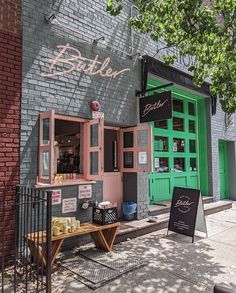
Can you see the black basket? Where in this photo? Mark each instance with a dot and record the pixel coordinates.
(104, 216)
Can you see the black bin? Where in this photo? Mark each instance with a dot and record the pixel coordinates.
(104, 216)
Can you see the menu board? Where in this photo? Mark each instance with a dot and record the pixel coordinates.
(184, 210)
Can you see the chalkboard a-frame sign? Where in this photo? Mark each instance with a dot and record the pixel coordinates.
(187, 214)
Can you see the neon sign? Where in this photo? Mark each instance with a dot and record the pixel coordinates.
(74, 61)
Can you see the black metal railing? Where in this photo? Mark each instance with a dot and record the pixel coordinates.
(31, 271)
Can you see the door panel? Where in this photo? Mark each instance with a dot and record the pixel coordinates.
(223, 169)
(175, 152)
(113, 188)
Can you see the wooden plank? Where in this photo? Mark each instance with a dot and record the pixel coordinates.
(99, 240)
(56, 245)
(40, 237)
(103, 237)
(110, 235)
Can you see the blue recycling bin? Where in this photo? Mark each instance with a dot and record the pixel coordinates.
(129, 210)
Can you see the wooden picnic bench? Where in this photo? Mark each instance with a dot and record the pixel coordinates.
(103, 237)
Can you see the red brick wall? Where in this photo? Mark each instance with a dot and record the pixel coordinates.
(10, 93)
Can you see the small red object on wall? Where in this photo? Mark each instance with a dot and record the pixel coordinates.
(95, 106)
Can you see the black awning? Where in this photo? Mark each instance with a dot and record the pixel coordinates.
(172, 74)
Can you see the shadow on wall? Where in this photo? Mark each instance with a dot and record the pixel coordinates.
(77, 90)
(28, 158)
(72, 93)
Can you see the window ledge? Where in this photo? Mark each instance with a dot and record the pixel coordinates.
(65, 183)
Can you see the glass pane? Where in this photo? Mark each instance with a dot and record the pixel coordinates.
(178, 145)
(142, 137)
(128, 139)
(46, 131)
(193, 164)
(142, 159)
(161, 144)
(178, 124)
(45, 164)
(178, 106)
(94, 163)
(179, 164)
(94, 135)
(191, 126)
(192, 146)
(161, 165)
(128, 160)
(191, 108)
(161, 124)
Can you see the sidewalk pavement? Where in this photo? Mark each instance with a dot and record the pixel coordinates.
(174, 264)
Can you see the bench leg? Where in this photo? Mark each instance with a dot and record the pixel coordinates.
(104, 239)
(39, 254)
(56, 245)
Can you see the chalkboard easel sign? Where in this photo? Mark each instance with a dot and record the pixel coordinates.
(187, 213)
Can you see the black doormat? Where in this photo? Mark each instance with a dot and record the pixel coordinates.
(94, 267)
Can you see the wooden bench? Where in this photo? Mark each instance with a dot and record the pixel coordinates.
(103, 237)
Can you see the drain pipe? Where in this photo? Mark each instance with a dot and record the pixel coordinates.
(131, 30)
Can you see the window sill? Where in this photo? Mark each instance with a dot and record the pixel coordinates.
(65, 183)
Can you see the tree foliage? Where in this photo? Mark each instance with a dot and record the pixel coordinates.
(204, 29)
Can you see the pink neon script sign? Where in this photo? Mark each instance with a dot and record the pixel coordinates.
(74, 61)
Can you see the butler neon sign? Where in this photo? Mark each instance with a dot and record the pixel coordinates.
(72, 59)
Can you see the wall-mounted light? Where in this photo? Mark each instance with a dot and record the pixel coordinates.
(95, 41)
(51, 18)
(136, 54)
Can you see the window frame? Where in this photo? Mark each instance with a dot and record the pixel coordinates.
(136, 149)
(50, 147)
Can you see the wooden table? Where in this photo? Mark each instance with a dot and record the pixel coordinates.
(103, 237)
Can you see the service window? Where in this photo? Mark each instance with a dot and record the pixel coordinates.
(136, 149)
(69, 148)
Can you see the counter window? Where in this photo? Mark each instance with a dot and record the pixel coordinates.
(70, 148)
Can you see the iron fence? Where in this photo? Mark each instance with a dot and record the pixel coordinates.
(29, 267)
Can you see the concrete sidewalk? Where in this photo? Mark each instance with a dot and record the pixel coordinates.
(174, 263)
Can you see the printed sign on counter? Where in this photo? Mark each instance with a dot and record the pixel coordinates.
(69, 205)
(56, 196)
(85, 191)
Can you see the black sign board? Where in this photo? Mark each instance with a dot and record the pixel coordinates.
(155, 107)
(186, 212)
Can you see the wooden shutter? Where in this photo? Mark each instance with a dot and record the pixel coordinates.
(136, 149)
(46, 151)
(93, 149)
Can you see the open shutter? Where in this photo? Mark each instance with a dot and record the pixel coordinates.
(46, 151)
(136, 149)
(93, 149)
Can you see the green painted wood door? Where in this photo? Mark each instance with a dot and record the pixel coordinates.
(175, 151)
(223, 169)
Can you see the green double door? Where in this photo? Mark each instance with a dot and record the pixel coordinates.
(175, 151)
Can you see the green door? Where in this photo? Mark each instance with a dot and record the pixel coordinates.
(175, 150)
(223, 162)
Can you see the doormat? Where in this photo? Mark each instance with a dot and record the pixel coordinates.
(94, 267)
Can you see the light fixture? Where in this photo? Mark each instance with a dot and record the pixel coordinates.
(95, 41)
(136, 54)
(51, 18)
